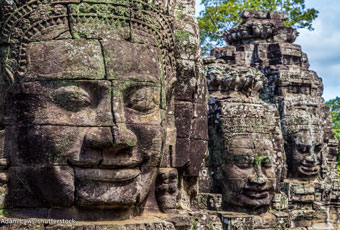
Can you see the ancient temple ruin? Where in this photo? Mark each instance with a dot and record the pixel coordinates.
(309, 193)
(110, 117)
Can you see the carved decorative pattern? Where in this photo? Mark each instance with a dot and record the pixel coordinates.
(136, 15)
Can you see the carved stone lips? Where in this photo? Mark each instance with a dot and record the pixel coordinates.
(106, 175)
(256, 194)
(309, 170)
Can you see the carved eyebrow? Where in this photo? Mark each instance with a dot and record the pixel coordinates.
(250, 159)
(72, 98)
(72, 89)
(129, 87)
(141, 83)
(145, 79)
(239, 158)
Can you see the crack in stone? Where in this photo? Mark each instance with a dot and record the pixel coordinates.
(104, 60)
(68, 11)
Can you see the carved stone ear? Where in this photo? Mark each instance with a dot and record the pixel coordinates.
(167, 189)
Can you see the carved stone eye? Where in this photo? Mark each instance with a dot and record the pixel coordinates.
(267, 163)
(244, 165)
(303, 148)
(144, 99)
(71, 98)
(317, 148)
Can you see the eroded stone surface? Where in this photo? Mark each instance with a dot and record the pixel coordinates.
(246, 142)
(103, 115)
(166, 190)
(87, 104)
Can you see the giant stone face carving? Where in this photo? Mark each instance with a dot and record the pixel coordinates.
(305, 145)
(306, 154)
(245, 139)
(88, 113)
(249, 173)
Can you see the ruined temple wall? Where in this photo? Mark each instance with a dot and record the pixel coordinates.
(190, 99)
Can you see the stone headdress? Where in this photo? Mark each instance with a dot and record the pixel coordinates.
(146, 22)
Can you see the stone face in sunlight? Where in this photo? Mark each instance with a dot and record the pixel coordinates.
(88, 107)
(102, 119)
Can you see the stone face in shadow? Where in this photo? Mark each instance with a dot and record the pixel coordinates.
(248, 172)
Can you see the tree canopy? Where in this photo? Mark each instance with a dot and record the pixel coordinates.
(221, 15)
(334, 105)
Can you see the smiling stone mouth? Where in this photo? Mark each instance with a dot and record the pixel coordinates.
(256, 194)
(106, 175)
(309, 170)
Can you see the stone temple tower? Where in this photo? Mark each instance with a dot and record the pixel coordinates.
(262, 41)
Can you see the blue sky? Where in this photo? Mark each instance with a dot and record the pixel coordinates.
(322, 45)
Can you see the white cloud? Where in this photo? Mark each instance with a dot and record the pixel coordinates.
(198, 7)
(323, 45)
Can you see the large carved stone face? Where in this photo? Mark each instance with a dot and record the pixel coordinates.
(304, 154)
(249, 178)
(87, 125)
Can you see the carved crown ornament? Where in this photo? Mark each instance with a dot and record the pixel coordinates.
(147, 22)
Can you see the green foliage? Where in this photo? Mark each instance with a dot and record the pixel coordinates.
(334, 105)
(221, 15)
(3, 212)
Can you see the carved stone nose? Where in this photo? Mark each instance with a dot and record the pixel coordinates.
(260, 180)
(107, 137)
(123, 137)
(311, 159)
(99, 137)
